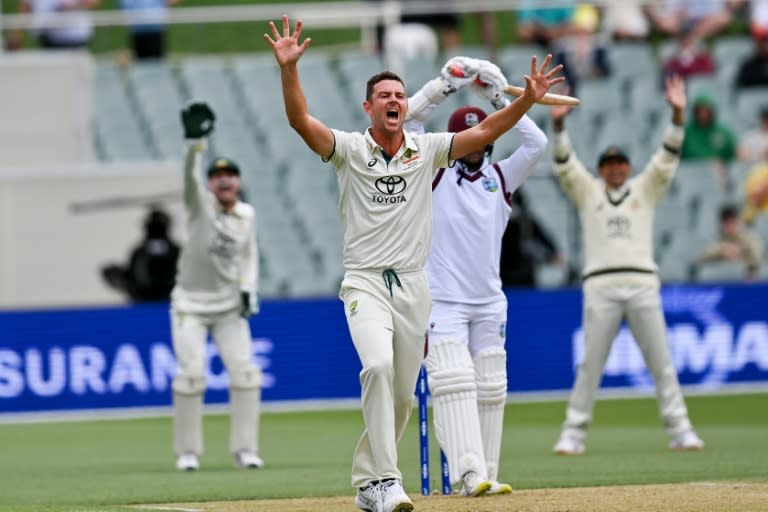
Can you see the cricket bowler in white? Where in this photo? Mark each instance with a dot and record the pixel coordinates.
(385, 203)
(466, 359)
(215, 293)
(620, 279)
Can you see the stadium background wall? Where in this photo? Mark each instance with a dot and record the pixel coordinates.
(120, 357)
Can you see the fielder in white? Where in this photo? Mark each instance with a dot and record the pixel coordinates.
(385, 203)
(620, 276)
(215, 293)
(466, 360)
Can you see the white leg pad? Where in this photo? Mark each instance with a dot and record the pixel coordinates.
(491, 375)
(454, 403)
(245, 407)
(187, 423)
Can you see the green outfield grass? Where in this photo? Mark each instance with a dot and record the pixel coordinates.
(99, 465)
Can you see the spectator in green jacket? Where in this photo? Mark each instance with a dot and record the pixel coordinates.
(707, 139)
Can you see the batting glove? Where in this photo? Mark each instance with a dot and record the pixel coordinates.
(249, 303)
(491, 84)
(198, 119)
(459, 72)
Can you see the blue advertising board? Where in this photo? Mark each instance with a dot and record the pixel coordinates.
(119, 357)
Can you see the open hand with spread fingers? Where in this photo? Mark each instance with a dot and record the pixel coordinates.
(538, 82)
(286, 46)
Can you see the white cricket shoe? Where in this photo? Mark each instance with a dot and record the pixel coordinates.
(369, 498)
(187, 462)
(248, 460)
(568, 444)
(474, 485)
(393, 497)
(688, 440)
(498, 488)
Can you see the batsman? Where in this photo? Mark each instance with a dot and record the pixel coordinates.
(215, 293)
(620, 279)
(472, 203)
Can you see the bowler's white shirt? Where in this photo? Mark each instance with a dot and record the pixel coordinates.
(386, 208)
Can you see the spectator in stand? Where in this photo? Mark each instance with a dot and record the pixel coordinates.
(76, 33)
(525, 245)
(148, 29)
(447, 26)
(753, 145)
(704, 18)
(543, 25)
(583, 52)
(691, 57)
(706, 139)
(756, 191)
(626, 20)
(735, 244)
(753, 71)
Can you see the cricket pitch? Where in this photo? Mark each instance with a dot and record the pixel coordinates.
(687, 497)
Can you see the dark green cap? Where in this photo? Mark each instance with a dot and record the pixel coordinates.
(612, 154)
(223, 164)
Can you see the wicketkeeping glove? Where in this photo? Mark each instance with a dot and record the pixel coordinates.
(249, 303)
(491, 84)
(459, 72)
(198, 119)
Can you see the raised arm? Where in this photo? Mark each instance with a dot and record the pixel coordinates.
(574, 178)
(659, 171)
(198, 120)
(491, 128)
(490, 85)
(288, 51)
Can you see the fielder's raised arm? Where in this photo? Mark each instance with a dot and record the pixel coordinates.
(536, 86)
(288, 51)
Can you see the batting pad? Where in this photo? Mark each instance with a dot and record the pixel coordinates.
(188, 424)
(491, 375)
(245, 407)
(454, 404)
(189, 386)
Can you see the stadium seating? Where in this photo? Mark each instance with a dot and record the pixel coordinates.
(295, 193)
(119, 135)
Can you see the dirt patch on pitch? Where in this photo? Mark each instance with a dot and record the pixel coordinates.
(694, 497)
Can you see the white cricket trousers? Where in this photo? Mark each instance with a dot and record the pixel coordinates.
(604, 309)
(388, 331)
(232, 336)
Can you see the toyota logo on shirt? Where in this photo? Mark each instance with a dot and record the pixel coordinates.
(391, 185)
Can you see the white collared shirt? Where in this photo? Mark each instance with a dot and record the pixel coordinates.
(471, 212)
(386, 208)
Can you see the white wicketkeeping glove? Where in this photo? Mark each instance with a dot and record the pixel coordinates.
(460, 71)
(491, 84)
